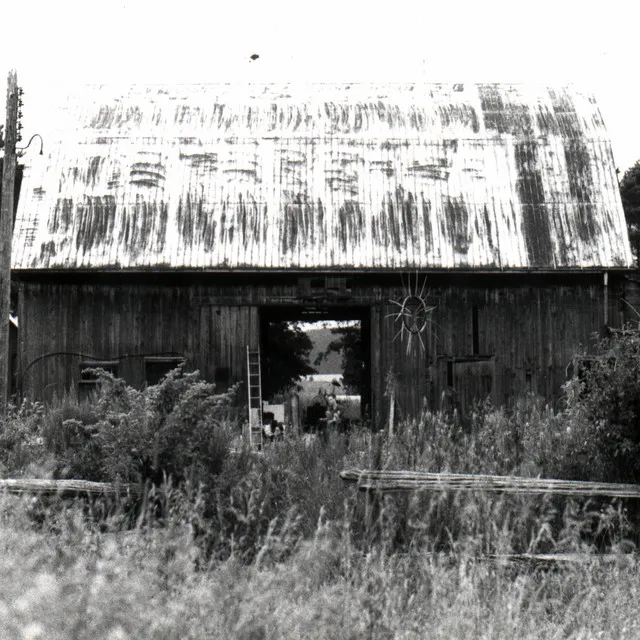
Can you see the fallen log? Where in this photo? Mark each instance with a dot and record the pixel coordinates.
(66, 488)
(402, 481)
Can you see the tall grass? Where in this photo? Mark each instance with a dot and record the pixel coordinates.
(69, 579)
(234, 544)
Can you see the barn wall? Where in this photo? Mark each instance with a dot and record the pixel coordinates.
(13, 357)
(525, 337)
(527, 330)
(632, 298)
(126, 323)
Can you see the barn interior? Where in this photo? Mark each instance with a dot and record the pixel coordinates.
(303, 404)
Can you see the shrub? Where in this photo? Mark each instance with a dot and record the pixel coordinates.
(22, 447)
(602, 414)
(179, 428)
(67, 429)
(245, 503)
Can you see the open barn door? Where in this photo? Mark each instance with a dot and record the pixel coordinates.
(303, 375)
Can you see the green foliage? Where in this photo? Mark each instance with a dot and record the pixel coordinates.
(68, 431)
(602, 414)
(22, 448)
(349, 345)
(630, 194)
(286, 357)
(275, 545)
(210, 508)
(71, 580)
(595, 436)
(284, 490)
(489, 443)
(179, 428)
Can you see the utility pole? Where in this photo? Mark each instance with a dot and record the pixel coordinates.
(6, 230)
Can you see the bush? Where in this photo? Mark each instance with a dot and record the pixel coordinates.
(179, 428)
(67, 430)
(602, 414)
(23, 450)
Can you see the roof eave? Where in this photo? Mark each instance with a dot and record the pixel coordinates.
(18, 273)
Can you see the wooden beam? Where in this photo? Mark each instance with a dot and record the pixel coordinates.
(64, 488)
(402, 481)
(6, 231)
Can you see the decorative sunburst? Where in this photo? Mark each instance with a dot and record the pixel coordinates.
(414, 312)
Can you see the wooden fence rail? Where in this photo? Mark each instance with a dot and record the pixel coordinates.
(399, 481)
(66, 488)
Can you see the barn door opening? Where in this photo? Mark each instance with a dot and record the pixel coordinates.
(316, 366)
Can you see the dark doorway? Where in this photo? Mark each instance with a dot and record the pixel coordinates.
(348, 325)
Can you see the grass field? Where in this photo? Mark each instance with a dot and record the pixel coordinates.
(65, 579)
(273, 545)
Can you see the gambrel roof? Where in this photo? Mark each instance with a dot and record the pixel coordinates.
(324, 176)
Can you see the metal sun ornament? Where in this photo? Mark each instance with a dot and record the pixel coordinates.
(414, 312)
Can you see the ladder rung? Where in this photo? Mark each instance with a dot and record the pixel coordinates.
(254, 383)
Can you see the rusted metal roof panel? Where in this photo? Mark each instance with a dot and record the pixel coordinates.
(419, 176)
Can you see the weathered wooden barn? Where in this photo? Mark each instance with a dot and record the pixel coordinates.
(169, 222)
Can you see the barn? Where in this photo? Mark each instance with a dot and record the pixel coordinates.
(474, 230)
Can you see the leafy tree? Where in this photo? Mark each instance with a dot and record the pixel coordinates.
(630, 193)
(286, 357)
(349, 344)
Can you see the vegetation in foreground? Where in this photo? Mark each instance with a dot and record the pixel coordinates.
(231, 544)
(67, 579)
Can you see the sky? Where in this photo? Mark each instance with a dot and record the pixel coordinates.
(56, 45)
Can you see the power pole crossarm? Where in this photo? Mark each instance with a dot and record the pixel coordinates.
(6, 230)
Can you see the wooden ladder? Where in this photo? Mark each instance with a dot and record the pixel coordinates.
(254, 387)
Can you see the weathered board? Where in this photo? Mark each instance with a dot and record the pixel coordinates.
(398, 481)
(491, 338)
(66, 488)
(65, 326)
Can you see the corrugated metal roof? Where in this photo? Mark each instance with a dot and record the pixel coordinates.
(422, 176)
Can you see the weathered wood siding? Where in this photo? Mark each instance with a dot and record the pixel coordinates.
(125, 323)
(632, 298)
(526, 336)
(488, 336)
